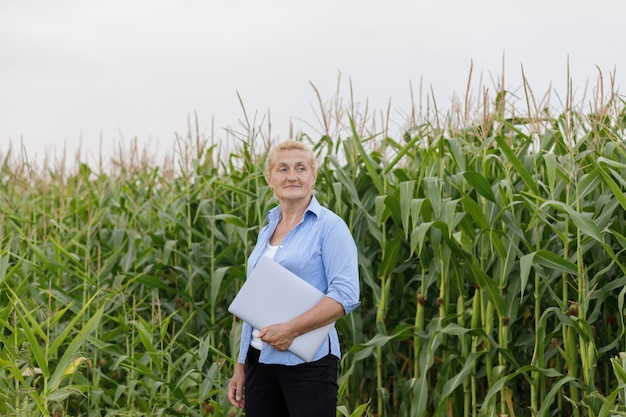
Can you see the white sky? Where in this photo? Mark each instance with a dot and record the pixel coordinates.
(75, 72)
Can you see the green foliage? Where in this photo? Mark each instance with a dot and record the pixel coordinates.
(491, 258)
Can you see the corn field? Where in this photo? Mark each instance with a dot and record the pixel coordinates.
(492, 253)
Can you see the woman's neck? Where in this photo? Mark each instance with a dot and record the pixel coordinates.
(291, 217)
(292, 212)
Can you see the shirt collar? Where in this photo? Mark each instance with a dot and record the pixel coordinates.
(314, 207)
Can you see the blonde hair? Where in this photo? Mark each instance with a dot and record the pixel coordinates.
(288, 145)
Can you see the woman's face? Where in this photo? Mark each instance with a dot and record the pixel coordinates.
(292, 177)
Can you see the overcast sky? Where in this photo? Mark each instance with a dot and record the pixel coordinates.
(84, 71)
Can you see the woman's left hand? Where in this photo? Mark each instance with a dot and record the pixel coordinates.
(279, 336)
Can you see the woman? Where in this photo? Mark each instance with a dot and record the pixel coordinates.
(315, 244)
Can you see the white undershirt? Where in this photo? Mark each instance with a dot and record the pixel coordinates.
(257, 343)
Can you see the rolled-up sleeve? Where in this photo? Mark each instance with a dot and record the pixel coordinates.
(340, 256)
(246, 337)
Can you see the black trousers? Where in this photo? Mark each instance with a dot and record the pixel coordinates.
(305, 390)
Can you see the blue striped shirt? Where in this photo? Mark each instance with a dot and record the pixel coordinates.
(321, 250)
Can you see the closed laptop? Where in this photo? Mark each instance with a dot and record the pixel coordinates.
(272, 294)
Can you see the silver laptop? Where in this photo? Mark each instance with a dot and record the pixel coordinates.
(272, 294)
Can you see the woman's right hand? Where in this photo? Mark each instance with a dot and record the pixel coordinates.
(235, 386)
